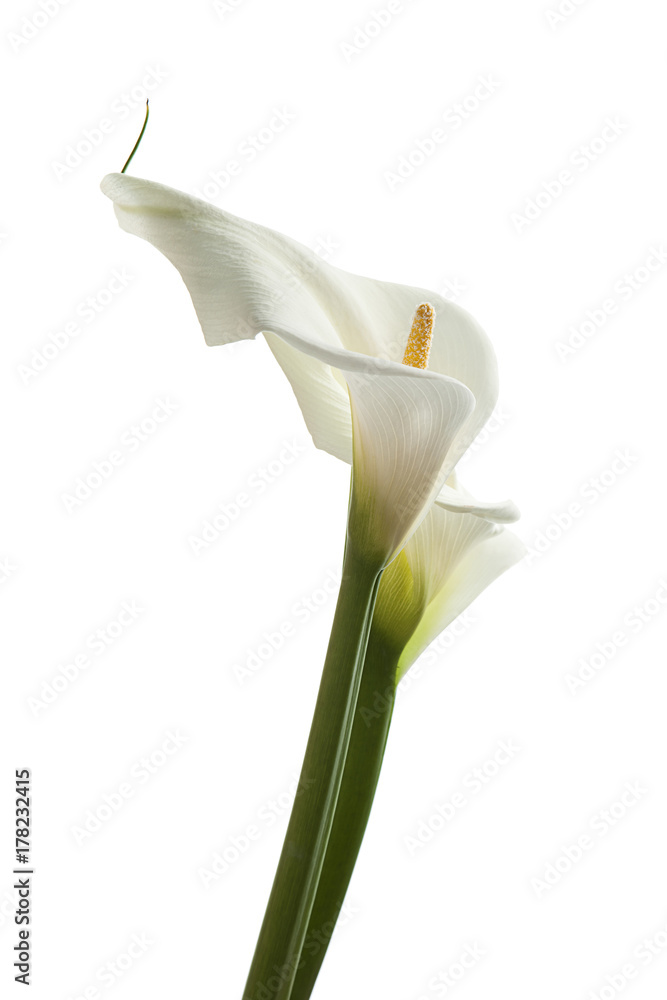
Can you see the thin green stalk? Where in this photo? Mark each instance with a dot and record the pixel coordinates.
(136, 145)
(283, 931)
(362, 770)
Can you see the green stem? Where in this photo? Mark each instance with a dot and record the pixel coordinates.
(283, 931)
(362, 770)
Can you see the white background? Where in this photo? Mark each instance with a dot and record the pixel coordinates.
(359, 98)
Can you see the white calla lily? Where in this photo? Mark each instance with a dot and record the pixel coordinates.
(418, 549)
(339, 338)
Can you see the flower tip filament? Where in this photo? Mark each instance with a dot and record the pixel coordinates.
(418, 346)
(136, 145)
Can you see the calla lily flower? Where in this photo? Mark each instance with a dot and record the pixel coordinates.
(398, 382)
(340, 339)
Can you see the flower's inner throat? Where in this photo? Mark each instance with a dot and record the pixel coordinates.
(418, 346)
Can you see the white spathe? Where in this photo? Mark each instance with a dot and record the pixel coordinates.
(339, 338)
(448, 561)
